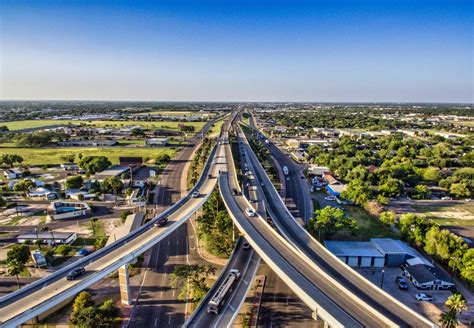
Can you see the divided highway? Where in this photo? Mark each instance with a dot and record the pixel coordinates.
(315, 289)
(28, 302)
(321, 258)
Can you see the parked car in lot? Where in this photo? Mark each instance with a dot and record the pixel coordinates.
(331, 198)
(423, 297)
(250, 212)
(402, 283)
(75, 273)
(195, 194)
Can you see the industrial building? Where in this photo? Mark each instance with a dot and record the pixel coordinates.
(48, 237)
(377, 253)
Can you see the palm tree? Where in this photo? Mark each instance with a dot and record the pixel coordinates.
(52, 235)
(456, 303)
(15, 267)
(448, 319)
(93, 221)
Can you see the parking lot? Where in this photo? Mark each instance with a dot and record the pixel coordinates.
(431, 310)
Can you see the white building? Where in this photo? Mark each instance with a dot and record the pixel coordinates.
(156, 142)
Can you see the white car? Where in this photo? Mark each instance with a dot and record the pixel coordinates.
(195, 194)
(423, 297)
(250, 212)
(332, 198)
(446, 198)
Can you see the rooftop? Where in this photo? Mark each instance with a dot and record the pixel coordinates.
(351, 248)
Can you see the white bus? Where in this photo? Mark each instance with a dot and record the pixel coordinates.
(219, 297)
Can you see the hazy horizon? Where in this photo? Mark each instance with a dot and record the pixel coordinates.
(240, 51)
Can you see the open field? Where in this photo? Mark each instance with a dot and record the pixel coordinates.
(216, 129)
(369, 227)
(464, 123)
(29, 124)
(43, 156)
(445, 213)
(175, 113)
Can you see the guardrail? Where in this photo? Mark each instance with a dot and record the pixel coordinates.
(120, 242)
(327, 253)
(313, 304)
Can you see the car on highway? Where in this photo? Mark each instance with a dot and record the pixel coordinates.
(75, 273)
(402, 283)
(235, 192)
(246, 245)
(446, 198)
(262, 184)
(250, 212)
(195, 194)
(331, 198)
(161, 222)
(423, 297)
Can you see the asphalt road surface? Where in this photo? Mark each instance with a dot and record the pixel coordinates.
(158, 304)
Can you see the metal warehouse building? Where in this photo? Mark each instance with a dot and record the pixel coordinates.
(377, 253)
(356, 254)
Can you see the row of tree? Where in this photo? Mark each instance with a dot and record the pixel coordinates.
(86, 313)
(215, 227)
(443, 245)
(199, 159)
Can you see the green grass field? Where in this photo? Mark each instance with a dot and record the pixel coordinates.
(216, 129)
(450, 214)
(43, 156)
(369, 227)
(28, 124)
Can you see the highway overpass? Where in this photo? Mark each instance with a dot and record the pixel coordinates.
(29, 302)
(321, 259)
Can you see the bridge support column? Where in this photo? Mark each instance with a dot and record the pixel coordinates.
(124, 283)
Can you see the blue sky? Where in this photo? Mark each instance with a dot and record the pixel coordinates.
(332, 50)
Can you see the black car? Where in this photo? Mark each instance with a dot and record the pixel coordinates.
(161, 222)
(75, 273)
(235, 192)
(402, 283)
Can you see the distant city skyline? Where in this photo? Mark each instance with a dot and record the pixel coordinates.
(275, 51)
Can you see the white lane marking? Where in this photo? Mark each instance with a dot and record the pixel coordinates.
(156, 321)
(232, 308)
(246, 282)
(169, 320)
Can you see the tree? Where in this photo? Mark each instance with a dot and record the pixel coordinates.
(63, 250)
(94, 164)
(448, 319)
(10, 159)
(123, 216)
(414, 227)
(112, 184)
(24, 185)
(467, 266)
(456, 303)
(93, 222)
(460, 189)
(387, 218)
(75, 182)
(358, 192)
(19, 253)
(82, 301)
(162, 159)
(431, 174)
(421, 192)
(100, 243)
(15, 267)
(330, 220)
(392, 188)
(196, 275)
(68, 158)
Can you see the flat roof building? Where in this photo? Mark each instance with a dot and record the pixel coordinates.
(48, 237)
